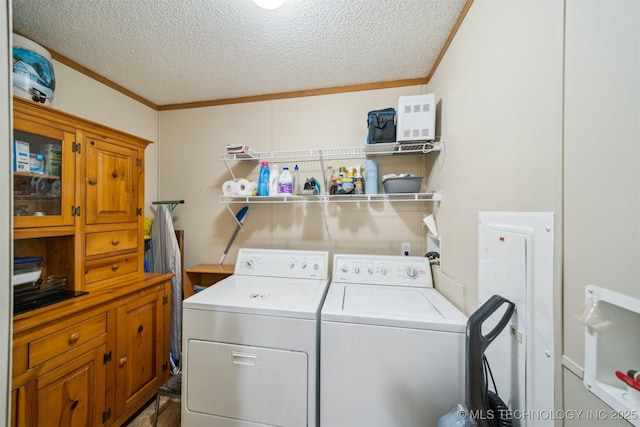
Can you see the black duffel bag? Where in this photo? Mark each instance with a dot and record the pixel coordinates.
(382, 126)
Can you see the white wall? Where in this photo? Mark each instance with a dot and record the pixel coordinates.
(537, 122)
(602, 140)
(500, 90)
(82, 96)
(601, 169)
(192, 139)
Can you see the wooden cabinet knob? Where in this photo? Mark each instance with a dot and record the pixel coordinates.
(74, 337)
(74, 404)
(140, 328)
(122, 361)
(115, 267)
(93, 181)
(115, 242)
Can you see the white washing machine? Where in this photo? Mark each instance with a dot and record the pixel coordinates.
(392, 347)
(250, 342)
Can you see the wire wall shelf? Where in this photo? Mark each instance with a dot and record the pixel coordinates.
(332, 154)
(315, 155)
(338, 198)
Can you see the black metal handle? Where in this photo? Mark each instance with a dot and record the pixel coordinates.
(477, 343)
(486, 311)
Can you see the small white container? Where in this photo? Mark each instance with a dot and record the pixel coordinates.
(26, 277)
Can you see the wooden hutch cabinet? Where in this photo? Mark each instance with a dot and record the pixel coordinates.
(96, 358)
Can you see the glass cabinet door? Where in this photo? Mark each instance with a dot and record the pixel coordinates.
(43, 175)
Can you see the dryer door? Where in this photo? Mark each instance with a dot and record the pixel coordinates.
(243, 383)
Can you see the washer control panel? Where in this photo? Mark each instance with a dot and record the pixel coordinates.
(283, 263)
(382, 270)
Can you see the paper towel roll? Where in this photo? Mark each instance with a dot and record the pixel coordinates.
(228, 188)
(243, 188)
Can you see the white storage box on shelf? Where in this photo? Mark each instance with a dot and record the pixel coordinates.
(612, 343)
(416, 118)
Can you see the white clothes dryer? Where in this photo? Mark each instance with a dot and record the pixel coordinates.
(392, 347)
(250, 342)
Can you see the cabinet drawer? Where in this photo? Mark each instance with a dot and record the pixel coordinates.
(111, 241)
(57, 343)
(107, 268)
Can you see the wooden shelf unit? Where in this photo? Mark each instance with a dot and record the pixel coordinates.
(204, 275)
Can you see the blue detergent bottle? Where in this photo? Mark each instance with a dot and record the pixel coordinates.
(263, 180)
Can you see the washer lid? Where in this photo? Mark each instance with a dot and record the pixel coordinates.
(394, 306)
(268, 296)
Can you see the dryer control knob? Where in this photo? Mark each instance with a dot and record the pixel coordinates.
(250, 263)
(344, 268)
(356, 270)
(411, 272)
(370, 269)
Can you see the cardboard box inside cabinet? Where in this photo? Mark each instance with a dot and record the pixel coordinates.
(36, 163)
(52, 151)
(52, 167)
(21, 156)
(52, 154)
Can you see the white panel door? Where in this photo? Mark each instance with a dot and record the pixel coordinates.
(244, 383)
(516, 261)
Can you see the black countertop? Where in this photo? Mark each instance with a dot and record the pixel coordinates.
(25, 303)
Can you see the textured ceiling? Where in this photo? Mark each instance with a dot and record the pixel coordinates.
(182, 51)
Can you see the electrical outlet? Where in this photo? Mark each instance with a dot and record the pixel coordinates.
(405, 249)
